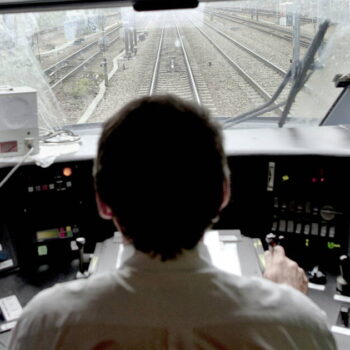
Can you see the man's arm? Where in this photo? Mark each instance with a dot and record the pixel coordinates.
(280, 269)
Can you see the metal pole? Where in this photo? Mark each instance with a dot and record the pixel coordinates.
(103, 49)
(126, 40)
(135, 36)
(131, 41)
(105, 71)
(37, 44)
(296, 38)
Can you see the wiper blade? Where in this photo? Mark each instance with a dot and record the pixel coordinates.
(303, 72)
(267, 107)
(306, 66)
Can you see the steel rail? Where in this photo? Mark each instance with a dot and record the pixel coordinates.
(189, 69)
(257, 87)
(48, 70)
(155, 75)
(267, 13)
(251, 52)
(272, 29)
(156, 66)
(75, 70)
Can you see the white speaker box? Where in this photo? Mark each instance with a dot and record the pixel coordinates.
(18, 121)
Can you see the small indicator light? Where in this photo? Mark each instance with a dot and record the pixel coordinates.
(42, 250)
(307, 242)
(332, 245)
(285, 177)
(322, 179)
(314, 180)
(67, 171)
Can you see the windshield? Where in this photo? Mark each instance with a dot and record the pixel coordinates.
(229, 56)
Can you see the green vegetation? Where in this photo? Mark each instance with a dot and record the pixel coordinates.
(82, 87)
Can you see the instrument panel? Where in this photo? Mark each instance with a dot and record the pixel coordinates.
(302, 200)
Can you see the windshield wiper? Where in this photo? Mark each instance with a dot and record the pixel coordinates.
(304, 70)
(267, 107)
(300, 71)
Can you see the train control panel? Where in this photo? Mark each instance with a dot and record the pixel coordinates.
(274, 75)
(50, 226)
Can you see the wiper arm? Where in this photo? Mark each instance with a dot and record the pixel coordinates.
(267, 107)
(302, 70)
(301, 76)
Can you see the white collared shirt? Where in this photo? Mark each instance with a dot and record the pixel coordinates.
(181, 304)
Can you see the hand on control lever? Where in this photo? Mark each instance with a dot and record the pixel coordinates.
(272, 240)
(280, 269)
(83, 258)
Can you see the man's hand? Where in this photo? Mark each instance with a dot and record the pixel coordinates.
(280, 269)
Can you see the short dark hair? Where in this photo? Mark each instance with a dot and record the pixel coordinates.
(161, 168)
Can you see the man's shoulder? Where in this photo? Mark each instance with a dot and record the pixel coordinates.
(71, 295)
(266, 298)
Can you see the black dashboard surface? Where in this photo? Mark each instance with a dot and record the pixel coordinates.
(302, 197)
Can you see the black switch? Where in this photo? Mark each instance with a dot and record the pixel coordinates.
(344, 316)
(343, 280)
(84, 259)
(317, 276)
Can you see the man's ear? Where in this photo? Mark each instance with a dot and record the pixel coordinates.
(226, 192)
(104, 209)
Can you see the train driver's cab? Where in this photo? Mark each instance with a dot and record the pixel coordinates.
(274, 74)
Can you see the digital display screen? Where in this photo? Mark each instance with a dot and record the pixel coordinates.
(8, 147)
(54, 233)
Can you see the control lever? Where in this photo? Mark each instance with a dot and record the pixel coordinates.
(343, 280)
(344, 315)
(317, 276)
(272, 240)
(84, 259)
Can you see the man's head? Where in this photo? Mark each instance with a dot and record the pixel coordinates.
(161, 174)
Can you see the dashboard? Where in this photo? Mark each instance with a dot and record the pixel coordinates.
(300, 195)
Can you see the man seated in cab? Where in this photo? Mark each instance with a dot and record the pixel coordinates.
(162, 176)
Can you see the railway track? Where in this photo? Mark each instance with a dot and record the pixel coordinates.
(172, 71)
(66, 67)
(259, 81)
(270, 29)
(265, 13)
(175, 71)
(252, 53)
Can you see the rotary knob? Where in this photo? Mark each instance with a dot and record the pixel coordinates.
(328, 213)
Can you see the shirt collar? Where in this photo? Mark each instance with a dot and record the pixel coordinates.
(196, 258)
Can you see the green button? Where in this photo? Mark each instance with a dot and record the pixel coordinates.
(42, 250)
